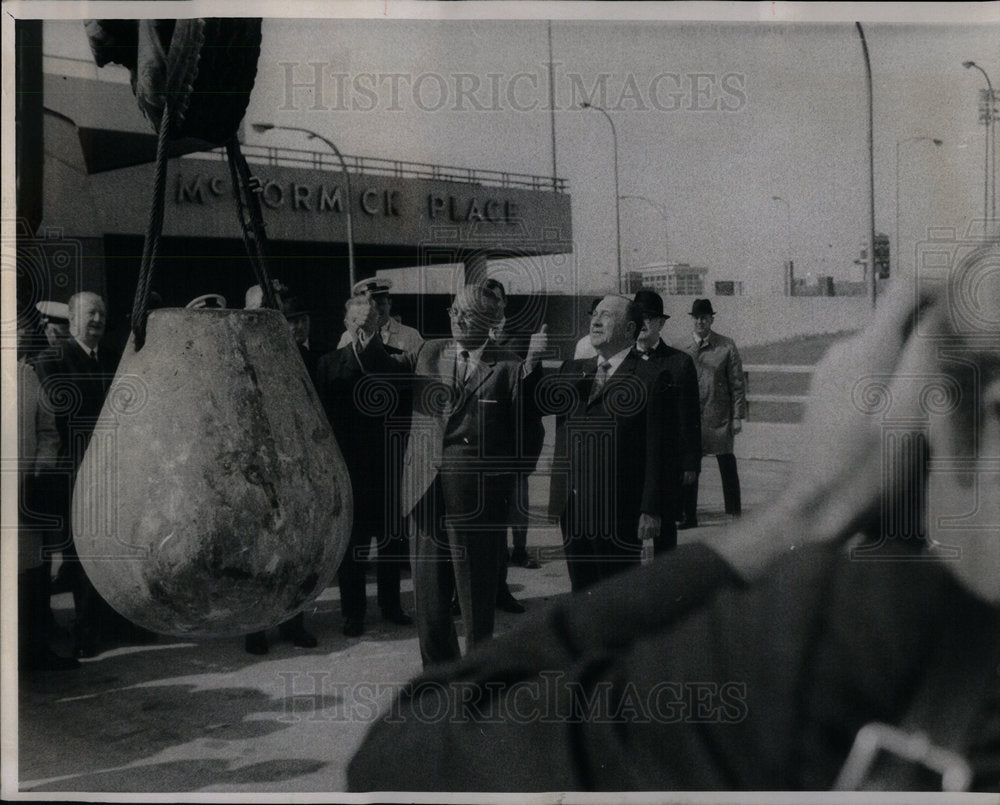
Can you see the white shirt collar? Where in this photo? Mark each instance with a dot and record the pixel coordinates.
(87, 350)
(615, 360)
(699, 341)
(475, 355)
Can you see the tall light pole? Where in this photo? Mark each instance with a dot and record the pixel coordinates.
(663, 214)
(990, 151)
(898, 245)
(312, 135)
(618, 212)
(872, 284)
(789, 279)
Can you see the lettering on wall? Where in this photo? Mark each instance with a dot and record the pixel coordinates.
(368, 201)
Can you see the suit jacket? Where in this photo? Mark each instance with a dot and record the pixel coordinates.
(471, 427)
(76, 387)
(673, 677)
(685, 419)
(722, 391)
(367, 410)
(629, 465)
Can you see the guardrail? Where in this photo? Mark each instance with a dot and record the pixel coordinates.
(397, 168)
(763, 368)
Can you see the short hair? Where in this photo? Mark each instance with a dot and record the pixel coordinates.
(78, 297)
(482, 299)
(496, 285)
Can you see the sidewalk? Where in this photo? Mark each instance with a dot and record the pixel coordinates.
(184, 716)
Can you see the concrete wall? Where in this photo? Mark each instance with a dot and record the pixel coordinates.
(752, 320)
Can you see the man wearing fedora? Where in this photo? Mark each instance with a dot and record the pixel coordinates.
(684, 420)
(394, 334)
(723, 406)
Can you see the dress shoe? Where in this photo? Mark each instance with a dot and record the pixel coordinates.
(354, 627)
(299, 637)
(520, 557)
(398, 617)
(255, 643)
(508, 603)
(48, 660)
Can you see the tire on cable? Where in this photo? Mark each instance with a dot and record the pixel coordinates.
(205, 66)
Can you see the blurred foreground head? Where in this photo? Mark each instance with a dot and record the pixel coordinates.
(903, 429)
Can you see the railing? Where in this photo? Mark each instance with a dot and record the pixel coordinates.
(378, 166)
(763, 368)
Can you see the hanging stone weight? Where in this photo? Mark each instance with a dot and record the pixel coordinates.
(213, 499)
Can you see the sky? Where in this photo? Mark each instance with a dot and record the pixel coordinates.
(713, 119)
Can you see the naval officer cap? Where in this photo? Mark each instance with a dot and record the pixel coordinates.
(57, 312)
(373, 286)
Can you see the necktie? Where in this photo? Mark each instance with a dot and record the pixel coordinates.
(599, 380)
(463, 367)
(93, 355)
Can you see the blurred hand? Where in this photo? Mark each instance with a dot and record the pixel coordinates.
(361, 322)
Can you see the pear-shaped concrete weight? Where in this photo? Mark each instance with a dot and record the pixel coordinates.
(213, 499)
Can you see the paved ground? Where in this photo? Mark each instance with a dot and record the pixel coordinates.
(181, 716)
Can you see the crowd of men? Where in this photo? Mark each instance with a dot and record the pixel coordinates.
(440, 474)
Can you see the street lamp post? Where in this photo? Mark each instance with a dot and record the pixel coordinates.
(789, 279)
(990, 151)
(312, 135)
(663, 214)
(899, 143)
(618, 216)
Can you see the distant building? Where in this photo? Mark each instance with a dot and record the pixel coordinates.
(671, 279)
(728, 288)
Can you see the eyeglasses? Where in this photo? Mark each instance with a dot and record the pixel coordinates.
(456, 313)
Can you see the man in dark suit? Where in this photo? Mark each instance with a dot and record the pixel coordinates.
(458, 472)
(367, 414)
(788, 653)
(613, 463)
(75, 375)
(684, 421)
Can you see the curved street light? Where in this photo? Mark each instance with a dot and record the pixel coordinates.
(618, 216)
(990, 149)
(663, 214)
(899, 143)
(312, 135)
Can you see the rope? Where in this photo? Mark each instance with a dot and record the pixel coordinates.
(245, 190)
(151, 244)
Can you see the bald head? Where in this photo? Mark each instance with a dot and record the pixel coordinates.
(87, 318)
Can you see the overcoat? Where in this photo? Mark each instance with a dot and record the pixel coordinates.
(721, 388)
